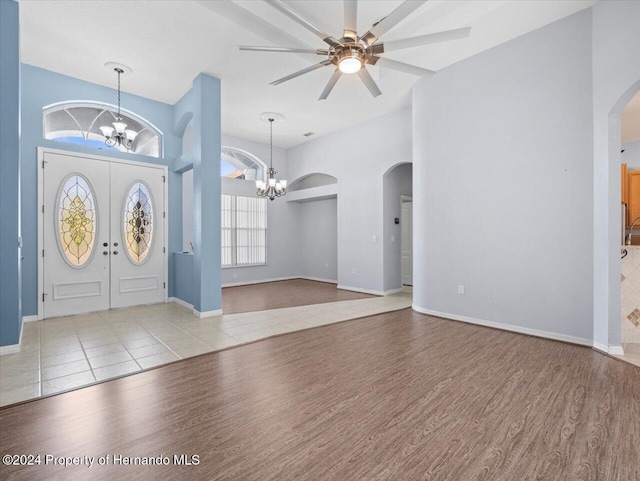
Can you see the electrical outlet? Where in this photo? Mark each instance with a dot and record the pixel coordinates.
(353, 270)
(460, 289)
(235, 275)
(393, 238)
(326, 265)
(374, 238)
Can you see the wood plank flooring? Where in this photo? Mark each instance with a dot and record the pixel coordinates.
(276, 295)
(398, 396)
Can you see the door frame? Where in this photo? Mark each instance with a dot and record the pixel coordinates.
(165, 232)
(403, 199)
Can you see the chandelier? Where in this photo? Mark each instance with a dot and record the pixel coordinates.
(118, 134)
(273, 187)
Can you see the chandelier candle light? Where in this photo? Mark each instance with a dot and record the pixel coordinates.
(118, 134)
(273, 187)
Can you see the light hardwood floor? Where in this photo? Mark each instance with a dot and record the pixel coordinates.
(397, 396)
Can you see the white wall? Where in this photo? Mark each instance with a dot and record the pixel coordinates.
(318, 239)
(397, 182)
(616, 78)
(503, 158)
(631, 154)
(358, 157)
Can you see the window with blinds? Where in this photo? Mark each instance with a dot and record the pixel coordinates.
(244, 231)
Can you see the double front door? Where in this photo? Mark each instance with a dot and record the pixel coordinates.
(103, 234)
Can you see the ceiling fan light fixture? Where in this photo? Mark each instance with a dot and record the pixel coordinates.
(350, 61)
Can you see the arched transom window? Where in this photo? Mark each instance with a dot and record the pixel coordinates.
(238, 164)
(79, 123)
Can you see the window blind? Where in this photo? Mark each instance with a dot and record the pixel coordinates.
(243, 231)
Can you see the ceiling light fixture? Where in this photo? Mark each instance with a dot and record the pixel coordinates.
(118, 134)
(350, 60)
(273, 187)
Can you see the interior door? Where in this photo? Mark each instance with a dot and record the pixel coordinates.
(75, 235)
(407, 243)
(137, 235)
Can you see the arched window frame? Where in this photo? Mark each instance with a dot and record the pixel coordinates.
(92, 131)
(229, 151)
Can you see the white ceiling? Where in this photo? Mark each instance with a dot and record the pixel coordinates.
(631, 120)
(167, 43)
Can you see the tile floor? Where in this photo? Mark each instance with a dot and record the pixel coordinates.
(69, 352)
(631, 353)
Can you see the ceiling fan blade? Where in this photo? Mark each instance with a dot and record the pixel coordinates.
(366, 78)
(426, 39)
(351, 15)
(400, 66)
(252, 48)
(296, 17)
(301, 72)
(257, 25)
(405, 9)
(330, 84)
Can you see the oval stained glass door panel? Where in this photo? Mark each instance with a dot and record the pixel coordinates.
(77, 220)
(138, 222)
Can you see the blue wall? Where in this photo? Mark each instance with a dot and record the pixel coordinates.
(41, 88)
(10, 291)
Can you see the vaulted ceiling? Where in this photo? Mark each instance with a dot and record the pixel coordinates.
(167, 43)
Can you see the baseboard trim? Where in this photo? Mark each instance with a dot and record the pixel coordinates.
(181, 302)
(12, 349)
(261, 281)
(507, 327)
(360, 289)
(29, 318)
(616, 351)
(205, 314)
(318, 279)
(600, 347)
(393, 291)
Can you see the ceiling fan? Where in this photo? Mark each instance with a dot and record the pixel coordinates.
(352, 53)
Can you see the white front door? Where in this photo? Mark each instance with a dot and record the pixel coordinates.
(137, 232)
(103, 234)
(76, 235)
(407, 243)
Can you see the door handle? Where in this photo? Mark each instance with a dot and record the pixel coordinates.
(105, 253)
(115, 253)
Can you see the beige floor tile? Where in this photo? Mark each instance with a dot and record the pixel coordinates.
(99, 341)
(62, 358)
(109, 359)
(48, 350)
(66, 383)
(157, 359)
(146, 351)
(66, 369)
(17, 394)
(141, 342)
(115, 370)
(104, 350)
(21, 378)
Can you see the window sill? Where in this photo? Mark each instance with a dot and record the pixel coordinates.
(244, 265)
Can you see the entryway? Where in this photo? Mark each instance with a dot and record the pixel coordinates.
(102, 234)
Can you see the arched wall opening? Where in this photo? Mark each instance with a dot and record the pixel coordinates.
(397, 217)
(620, 304)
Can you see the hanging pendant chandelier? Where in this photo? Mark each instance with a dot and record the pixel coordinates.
(273, 187)
(118, 134)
